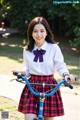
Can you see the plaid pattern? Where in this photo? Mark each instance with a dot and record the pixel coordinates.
(29, 103)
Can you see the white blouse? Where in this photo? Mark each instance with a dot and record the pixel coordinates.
(52, 60)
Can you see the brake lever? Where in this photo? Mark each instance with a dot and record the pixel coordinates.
(13, 80)
(18, 80)
(67, 84)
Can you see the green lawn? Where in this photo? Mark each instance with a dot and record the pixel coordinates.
(11, 50)
(11, 107)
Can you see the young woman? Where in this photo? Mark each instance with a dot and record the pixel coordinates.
(41, 57)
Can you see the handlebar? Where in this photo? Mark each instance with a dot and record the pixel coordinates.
(56, 86)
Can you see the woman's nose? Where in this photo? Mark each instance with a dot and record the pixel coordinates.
(38, 33)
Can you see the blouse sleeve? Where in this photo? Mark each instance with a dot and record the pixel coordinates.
(26, 67)
(60, 65)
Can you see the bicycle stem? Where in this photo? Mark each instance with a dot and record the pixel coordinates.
(41, 106)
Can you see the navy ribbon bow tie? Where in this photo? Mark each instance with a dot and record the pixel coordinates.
(39, 55)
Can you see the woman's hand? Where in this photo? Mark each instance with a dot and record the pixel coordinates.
(22, 72)
(67, 78)
(70, 78)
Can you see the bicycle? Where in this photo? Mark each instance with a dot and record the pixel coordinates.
(21, 78)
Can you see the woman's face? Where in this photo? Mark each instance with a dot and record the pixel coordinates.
(39, 34)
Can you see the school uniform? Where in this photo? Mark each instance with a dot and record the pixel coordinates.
(41, 64)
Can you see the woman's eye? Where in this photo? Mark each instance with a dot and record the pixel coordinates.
(34, 31)
(42, 31)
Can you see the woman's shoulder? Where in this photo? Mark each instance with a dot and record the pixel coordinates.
(53, 45)
(25, 49)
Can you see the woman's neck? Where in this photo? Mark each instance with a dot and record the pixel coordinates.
(38, 44)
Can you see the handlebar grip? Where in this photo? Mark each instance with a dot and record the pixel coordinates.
(19, 75)
(15, 73)
(67, 84)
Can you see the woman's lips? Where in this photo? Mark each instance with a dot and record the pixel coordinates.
(39, 38)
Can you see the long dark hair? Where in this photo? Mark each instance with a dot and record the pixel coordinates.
(49, 37)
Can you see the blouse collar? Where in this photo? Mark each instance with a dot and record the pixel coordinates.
(44, 46)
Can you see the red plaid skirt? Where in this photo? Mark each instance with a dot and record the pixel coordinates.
(29, 103)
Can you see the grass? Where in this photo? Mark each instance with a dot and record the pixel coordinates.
(11, 54)
(10, 106)
(71, 56)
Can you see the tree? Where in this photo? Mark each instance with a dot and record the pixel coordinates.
(62, 18)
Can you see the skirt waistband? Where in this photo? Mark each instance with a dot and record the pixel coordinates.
(42, 77)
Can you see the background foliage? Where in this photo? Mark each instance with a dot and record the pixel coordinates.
(63, 18)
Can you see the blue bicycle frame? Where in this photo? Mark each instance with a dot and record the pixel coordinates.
(41, 95)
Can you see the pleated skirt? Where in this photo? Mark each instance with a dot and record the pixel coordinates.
(53, 105)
